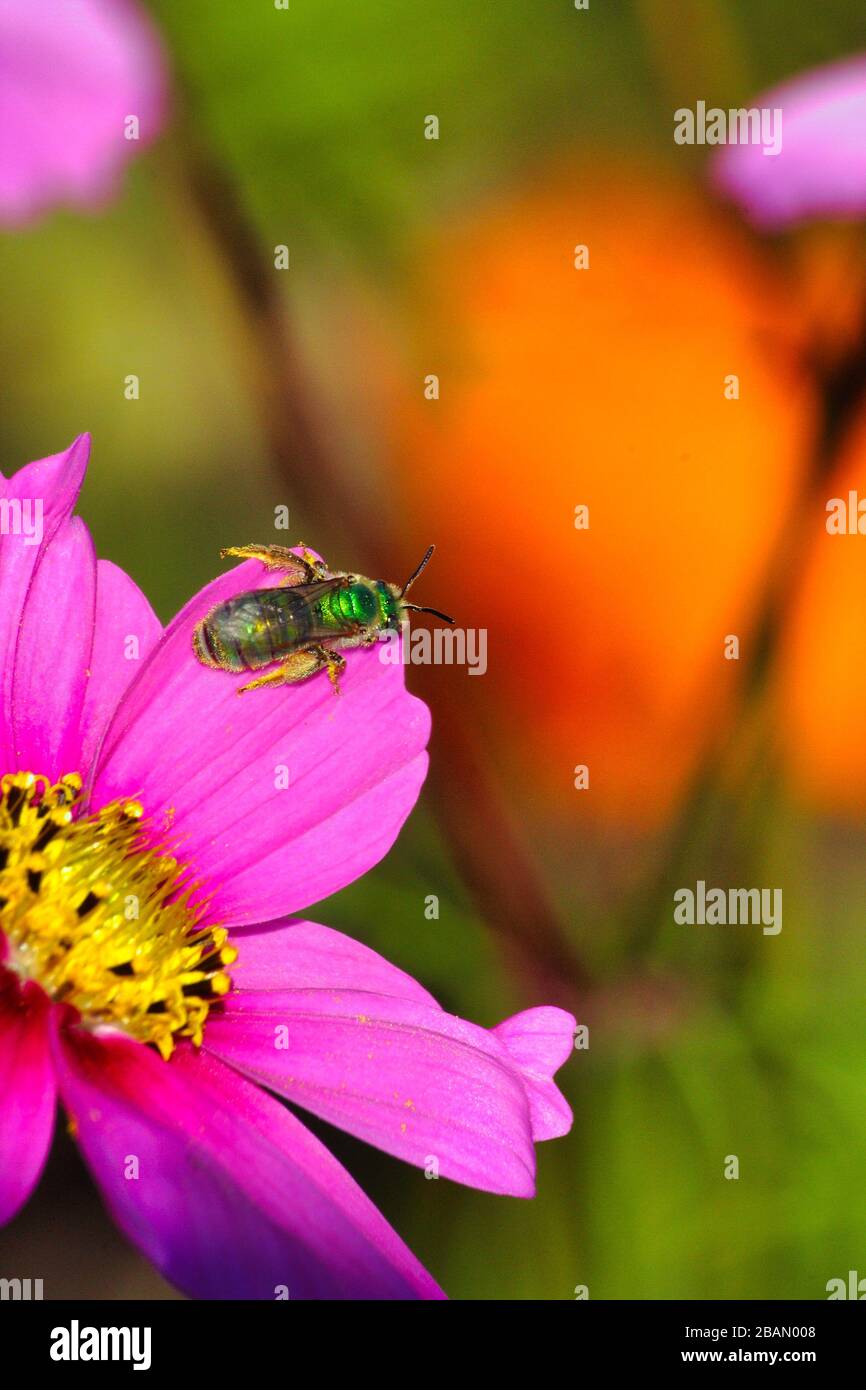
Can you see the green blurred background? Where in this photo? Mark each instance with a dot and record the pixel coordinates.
(308, 126)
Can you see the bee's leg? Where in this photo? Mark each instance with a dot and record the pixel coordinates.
(303, 568)
(336, 665)
(300, 666)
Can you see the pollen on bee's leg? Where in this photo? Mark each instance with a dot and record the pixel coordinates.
(101, 918)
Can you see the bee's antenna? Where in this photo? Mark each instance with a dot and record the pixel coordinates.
(412, 577)
(416, 608)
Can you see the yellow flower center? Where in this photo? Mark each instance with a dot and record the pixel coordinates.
(101, 919)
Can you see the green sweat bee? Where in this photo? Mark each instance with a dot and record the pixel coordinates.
(303, 622)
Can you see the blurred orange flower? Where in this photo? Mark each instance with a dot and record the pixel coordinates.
(821, 682)
(662, 387)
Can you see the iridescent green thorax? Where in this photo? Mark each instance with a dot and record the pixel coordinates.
(368, 602)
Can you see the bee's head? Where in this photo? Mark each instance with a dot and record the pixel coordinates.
(399, 595)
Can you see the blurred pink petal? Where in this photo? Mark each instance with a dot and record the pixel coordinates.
(71, 73)
(540, 1041)
(232, 1197)
(405, 1076)
(27, 1091)
(212, 762)
(821, 168)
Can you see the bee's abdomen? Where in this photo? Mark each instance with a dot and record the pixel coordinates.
(252, 630)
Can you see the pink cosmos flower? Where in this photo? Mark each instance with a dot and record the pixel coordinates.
(72, 73)
(821, 168)
(150, 976)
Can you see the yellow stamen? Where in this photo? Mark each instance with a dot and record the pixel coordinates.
(101, 919)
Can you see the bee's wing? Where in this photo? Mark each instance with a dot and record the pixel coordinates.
(320, 587)
(304, 600)
(259, 626)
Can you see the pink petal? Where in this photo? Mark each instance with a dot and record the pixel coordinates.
(46, 491)
(539, 1041)
(233, 1198)
(127, 630)
(27, 1091)
(821, 169)
(52, 655)
(70, 75)
(299, 955)
(210, 762)
(411, 1079)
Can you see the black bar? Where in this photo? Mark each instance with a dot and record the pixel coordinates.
(375, 1339)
